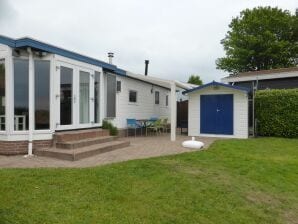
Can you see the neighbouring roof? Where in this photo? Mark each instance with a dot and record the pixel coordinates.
(243, 89)
(263, 74)
(36, 44)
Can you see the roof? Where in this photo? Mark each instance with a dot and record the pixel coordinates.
(263, 74)
(36, 44)
(158, 81)
(243, 89)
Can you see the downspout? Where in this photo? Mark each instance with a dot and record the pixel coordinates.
(31, 102)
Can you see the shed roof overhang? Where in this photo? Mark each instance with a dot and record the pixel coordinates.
(41, 46)
(239, 88)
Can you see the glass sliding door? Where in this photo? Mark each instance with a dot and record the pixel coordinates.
(78, 101)
(2, 95)
(42, 94)
(96, 97)
(84, 97)
(66, 96)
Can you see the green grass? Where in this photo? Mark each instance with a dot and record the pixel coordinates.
(235, 181)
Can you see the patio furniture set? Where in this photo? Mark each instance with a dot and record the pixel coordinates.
(151, 126)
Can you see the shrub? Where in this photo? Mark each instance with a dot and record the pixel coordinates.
(108, 125)
(277, 112)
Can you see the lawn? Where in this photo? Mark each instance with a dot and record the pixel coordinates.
(235, 181)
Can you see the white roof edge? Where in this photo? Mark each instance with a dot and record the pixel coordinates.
(157, 81)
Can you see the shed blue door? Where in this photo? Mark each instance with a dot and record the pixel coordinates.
(216, 115)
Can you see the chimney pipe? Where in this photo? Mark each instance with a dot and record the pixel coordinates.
(111, 55)
(146, 67)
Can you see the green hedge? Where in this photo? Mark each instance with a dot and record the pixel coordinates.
(277, 112)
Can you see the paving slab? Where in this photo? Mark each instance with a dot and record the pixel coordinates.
(140, 148)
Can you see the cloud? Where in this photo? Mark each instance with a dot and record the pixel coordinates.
(7, 14)
(178, 37)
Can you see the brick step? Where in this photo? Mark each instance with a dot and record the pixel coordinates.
(66, 136)
(80, 153)
(84, 142)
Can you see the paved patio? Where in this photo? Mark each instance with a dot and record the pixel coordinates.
(141, 147)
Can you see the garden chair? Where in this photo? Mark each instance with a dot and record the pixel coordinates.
(165, 125)
(133, 124)
(156, 126)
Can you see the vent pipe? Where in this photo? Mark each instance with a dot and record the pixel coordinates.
(146, 67)
(111, 55)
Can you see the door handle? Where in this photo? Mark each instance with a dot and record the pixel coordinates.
(217, 110)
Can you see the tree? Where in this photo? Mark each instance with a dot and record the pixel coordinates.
(195, 79)
(259, 39)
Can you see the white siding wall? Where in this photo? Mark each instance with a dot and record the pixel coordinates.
(240, 111)
(3, 48)
(145, 106)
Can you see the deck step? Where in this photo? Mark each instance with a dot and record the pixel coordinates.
(84, 142)
(80, 153)
(67, 136)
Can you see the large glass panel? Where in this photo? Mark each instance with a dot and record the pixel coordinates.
(84, 97)
(42, 94)
(96, 97)
(66, 89)
(21, 94)
(111, 95)
(2, 94)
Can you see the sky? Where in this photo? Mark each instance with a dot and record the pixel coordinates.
(179, 38)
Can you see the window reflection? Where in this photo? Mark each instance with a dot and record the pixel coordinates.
(2, 94)
(42, 94)
(21, 94)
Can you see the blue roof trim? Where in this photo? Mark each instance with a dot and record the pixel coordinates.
(217, 84)
(28, 42)
(7, 41)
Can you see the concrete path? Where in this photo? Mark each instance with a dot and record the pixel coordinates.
(141, 147)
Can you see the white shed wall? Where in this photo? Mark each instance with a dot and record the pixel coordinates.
(145, 106)
(240, 111)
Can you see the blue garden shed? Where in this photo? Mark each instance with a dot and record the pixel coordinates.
(218, 110)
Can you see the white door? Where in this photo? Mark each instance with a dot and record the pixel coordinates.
(85, 105)
(66, 97)
(75, 97)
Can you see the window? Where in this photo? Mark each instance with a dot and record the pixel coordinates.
(42, 94)
(66, 91)
(167, 100)
(156, 97)
(84, 97)
(132, 96)
(2, 95)
(111, 95)
(96, 97)
(21, 94)
(118, 86)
